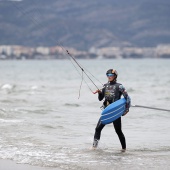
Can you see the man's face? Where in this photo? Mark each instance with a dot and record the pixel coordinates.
(110, 77)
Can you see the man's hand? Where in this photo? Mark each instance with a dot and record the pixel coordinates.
(126, 111)
(97, 91)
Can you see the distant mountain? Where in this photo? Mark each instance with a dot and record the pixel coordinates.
(83, 24)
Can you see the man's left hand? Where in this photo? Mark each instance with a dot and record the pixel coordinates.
(126, 111)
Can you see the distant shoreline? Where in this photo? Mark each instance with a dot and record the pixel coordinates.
(64, 59)
(40, 53)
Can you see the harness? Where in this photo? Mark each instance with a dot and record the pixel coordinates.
(112, 93)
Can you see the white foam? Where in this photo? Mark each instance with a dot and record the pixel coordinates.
(7, 86)
(10, 121)
(34, 87)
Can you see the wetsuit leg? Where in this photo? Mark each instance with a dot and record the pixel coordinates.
(118, 128)
(98, 130)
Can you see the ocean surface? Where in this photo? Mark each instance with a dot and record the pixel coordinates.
(43, 123)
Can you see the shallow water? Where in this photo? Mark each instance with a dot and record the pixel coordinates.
(43, 122)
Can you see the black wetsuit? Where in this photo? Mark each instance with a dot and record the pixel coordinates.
(112, 92)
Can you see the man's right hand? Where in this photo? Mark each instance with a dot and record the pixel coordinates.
(97, 91)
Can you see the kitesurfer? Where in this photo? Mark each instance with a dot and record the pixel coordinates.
(112, 92)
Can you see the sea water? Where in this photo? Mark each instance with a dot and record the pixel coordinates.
(43, 122)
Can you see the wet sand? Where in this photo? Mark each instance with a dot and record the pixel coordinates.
(11, 165)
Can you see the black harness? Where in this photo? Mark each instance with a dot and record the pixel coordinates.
(111, 93)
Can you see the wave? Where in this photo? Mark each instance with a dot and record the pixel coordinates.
(8, 88)
(21, 89)
(130, 90)
(83, 158)
(71, 105)
(152, 150)
(52, 127)
(10, 121)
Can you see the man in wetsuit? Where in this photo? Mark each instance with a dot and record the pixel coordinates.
(112, 92)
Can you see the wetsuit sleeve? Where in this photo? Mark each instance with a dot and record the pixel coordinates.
(126, 96)
(101, 95)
